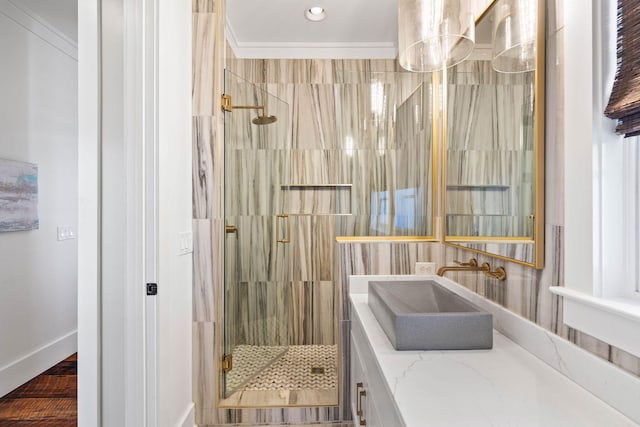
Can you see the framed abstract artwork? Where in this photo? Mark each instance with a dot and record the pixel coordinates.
(18, 196)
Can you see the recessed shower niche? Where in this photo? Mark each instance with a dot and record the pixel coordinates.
(306, 164)
(320, 199)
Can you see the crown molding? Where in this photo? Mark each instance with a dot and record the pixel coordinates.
(38, 26)
(310, 50)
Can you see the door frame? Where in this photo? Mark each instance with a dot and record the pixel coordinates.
(89, 266)
(132, 378)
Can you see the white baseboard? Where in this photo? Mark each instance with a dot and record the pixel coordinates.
(33, 364)
(188, 419)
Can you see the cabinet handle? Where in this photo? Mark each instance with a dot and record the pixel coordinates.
(358, 403)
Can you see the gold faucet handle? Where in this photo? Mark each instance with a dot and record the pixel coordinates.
(472, 263)
(499, 274)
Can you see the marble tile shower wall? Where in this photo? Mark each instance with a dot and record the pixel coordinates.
(341, 130)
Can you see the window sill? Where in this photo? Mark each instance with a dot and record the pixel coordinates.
(615, 321)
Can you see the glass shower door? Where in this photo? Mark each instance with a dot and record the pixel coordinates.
(257, 230)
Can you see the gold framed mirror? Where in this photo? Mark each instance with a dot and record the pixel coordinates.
(493, 137)
(393, 159)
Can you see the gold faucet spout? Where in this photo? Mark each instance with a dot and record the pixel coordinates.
(446, 268)
(472, 265)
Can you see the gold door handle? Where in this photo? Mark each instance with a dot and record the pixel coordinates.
(230, 229)
(358, 402)
(286, 239)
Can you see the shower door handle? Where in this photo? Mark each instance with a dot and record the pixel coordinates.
(361, 415)
(359, 399)
(287, 238)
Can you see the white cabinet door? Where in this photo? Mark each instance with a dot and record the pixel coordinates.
(371, 402)
(357, 384)
(362, 406)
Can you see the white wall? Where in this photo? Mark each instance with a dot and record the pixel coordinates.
(115, 183)
(175, 213)
(38, 124)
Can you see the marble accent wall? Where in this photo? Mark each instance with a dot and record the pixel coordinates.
(208, 223)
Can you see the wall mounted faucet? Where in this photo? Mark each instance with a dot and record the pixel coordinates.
(500, 273)
(472, 265)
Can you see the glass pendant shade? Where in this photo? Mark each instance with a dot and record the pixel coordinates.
(433, 34)
(514, 36)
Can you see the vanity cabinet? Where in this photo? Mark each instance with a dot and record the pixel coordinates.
(501, 387)
(371, 400)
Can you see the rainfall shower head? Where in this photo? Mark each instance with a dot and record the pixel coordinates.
(262, 119)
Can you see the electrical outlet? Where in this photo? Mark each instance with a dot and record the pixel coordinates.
(425, 268)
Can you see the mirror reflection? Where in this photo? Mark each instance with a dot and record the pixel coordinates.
(493, 188)
(403, 206)
(385, 133)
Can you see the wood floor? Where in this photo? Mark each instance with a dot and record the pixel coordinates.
(48, 400)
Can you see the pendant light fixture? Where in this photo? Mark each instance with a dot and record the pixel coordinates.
(514, 36)
(433, 34)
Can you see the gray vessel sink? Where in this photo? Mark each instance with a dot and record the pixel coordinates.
(423, 315)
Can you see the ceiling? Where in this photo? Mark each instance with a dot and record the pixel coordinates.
(279, 29)
(352, 28)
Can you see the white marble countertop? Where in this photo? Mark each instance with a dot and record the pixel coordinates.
(505, 386)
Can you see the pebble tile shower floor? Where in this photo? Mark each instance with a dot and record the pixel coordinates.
(305, 375)
(293, 371)
(249, 360)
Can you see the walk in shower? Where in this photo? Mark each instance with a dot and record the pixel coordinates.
(308, 167)
(268, 361)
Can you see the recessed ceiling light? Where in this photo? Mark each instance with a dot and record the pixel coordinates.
(315, 13)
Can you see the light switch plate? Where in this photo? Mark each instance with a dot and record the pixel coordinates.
(425, 268)
(66, 232)
(186, 242)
